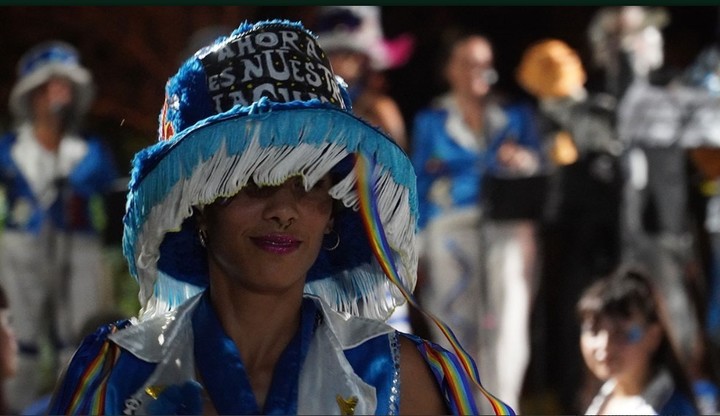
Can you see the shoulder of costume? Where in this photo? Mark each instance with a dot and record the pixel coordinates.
(432, 111)
(142, 339)
(426, 345)
(520, 114)
(92, 353)
(6, 143)
(8, 137)
(350, 330)
(98, 146)
(419, 341)
(150, 340)
(453, 381)
(91, 137)
(91, 344)
(521, 106)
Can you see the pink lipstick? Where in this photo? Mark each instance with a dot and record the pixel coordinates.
(277, 243)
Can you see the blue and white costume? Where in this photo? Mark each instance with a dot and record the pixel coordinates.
(228, 120)
(480, 271)
(50, 249)
(361, 354)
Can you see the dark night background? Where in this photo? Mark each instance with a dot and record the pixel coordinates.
(512, 29)
(133, 50)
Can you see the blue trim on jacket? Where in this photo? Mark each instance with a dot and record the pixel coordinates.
(93, 175)
(436, 156)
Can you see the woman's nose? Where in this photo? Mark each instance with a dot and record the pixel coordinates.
(281, 206)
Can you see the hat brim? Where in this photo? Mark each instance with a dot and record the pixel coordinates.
(81, 78)
(269, 143)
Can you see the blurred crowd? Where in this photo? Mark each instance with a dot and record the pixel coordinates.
(570, 238)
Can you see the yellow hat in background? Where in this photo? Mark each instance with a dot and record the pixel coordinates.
(550, 68)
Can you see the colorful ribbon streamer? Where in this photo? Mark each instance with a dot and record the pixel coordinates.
(89, 397)
(364, 168)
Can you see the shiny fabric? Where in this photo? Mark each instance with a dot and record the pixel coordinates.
(332, 354)
(223, 372)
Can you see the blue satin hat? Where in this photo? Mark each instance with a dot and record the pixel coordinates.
(264, 105)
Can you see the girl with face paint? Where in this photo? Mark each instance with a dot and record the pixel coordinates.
(625, 343)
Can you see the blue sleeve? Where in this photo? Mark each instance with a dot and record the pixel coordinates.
(529, 134)
(99, 368)
(421, 142)
(94, 347)
(96, 172)
(421, 153)
(6, 162)
(523, 123)
(521, 128)
(678, 404)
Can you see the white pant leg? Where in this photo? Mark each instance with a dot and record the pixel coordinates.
(452, 250)
(25, 275)
(39, 296)
(511, 271)
(455, 294)
(87, 292)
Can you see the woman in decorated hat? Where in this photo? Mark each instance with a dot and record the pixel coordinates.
(50, 249)
(265, 229)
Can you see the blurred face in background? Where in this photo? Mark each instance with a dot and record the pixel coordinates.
(646, 50)
(53, 99)
(350, 65)
(8, 346)
(470, 70)
(619, 348)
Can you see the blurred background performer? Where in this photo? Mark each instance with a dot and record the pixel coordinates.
(52, 174)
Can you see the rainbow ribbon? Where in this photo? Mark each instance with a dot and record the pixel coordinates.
(364, 168)
(89, 396)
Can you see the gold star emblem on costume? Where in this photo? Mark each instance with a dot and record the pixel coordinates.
(347, 406)
(154, 391)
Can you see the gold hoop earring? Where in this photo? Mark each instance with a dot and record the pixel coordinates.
(202, 235)
(337, 241)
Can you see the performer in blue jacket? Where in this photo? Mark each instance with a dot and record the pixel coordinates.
(51, 174)
(479, 248)
(265, 229)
